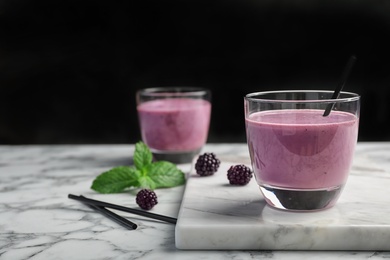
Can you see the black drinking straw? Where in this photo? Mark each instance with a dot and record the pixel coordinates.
(122, 208)
(341, 84)
(111, 215)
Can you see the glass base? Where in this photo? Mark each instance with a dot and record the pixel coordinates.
(175, 157)
(301, 199)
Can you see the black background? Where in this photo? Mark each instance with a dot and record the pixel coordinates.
(69, 70)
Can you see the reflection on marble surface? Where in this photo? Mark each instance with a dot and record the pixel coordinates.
(38, 221)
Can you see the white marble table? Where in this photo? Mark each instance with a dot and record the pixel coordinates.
(38, 221)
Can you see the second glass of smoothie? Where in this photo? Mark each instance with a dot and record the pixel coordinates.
(301, 159)
(174, 121)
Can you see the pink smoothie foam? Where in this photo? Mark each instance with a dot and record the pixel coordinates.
(301, 149)
(174, 124)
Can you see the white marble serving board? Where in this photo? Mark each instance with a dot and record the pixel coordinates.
(217, 216)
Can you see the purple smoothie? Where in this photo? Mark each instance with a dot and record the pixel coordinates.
(301, 149)
(174, 124)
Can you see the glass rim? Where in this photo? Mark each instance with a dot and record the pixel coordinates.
(173, 91)
(256, 96)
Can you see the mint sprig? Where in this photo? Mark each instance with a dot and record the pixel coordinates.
(144, 174)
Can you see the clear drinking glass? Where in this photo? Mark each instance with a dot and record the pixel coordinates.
(301, 159)
(174, 121)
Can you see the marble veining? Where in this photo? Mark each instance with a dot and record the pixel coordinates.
(38, 221)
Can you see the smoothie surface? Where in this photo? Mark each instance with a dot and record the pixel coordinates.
(300, 117)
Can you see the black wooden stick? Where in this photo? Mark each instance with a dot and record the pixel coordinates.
(122, 208)
(111, 215)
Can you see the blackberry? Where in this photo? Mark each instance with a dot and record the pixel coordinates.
(207, 164)
(239, 174)
(146, 199)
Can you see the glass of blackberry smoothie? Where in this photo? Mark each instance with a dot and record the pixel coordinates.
(300, 156)
(174, 121)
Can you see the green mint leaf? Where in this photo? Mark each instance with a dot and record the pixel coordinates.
(142, 155)
(116, 180)
(165, 174)
(144, 174)
(146, 182)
